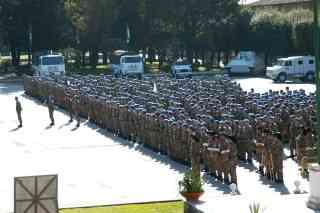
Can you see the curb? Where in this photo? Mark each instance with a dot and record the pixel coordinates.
(19, 80)
(122, 204)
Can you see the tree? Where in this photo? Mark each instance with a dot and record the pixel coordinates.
(14, 28)
(93, 22)
(272, 34)
(304, 38)
(302, 31)
(43, 18)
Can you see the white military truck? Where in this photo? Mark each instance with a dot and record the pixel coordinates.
(181, 69)
(124, 63)
(302, 67)
(48, 64)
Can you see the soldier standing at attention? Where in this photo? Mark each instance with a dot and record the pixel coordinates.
(277, 159)
(19, 110)
(76, 109)
(51, 109)
(68, 102)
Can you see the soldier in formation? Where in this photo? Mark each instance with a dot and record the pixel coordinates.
(215, 119)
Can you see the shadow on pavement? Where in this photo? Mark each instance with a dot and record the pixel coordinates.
(248, 166)
(48, 127)
(218, 185)
(15, 129)
(156, 157)
(64, 125)
(75, 128)
(278, 187)
(38, 102)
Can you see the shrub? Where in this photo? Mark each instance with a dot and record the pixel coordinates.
(191, 183)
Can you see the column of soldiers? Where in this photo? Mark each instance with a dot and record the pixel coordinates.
(224, 123)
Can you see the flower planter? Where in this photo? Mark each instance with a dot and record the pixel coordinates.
(192, 196)
(314, 178)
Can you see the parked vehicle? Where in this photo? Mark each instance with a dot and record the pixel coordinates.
(181, 69)
(302, 67)
(125, 63)
(244, 62)
(48, 64)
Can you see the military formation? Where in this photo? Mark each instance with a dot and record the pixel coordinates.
(214, 123)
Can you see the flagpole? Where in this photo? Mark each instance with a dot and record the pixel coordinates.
(30, 43)
(128, 37)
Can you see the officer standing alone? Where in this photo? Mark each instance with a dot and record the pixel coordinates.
(51, 109)
(19, 110)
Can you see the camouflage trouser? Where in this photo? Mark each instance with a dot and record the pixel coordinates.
(116, 124)
(219, 168)
(213, 163)
(260, 150)
(71, 113)
(123, 129)
(205, 157)
(166, 141)
(269, 166)
(233, 173)
(245, 149)
(19, 118)
(242, 149)
(278, 169)
(301, 151)
(171, 145)
(250, 150)
(226, 171)
(292, 146)
(51, 115)
(77, 116)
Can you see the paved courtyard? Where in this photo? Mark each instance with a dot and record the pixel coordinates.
(95, 167)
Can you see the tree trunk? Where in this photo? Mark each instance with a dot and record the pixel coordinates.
(105, 57)
(189, 55)
(219, 58)
(14, 60)
(212, 58)
(226, 57)
(161, 57)
(18, 57)
(266, 59)
(93, 58)
(203, 57)
(29, 58)
(83, 58)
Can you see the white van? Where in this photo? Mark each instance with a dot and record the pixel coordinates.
(302, 67)
(244, 62)
(50, 64)
(124, 63)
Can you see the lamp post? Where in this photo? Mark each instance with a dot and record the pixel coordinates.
(316, 7)
(314, 169)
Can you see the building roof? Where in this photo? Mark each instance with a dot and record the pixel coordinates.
(276, 2)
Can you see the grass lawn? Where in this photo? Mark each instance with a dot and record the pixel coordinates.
(170, 207)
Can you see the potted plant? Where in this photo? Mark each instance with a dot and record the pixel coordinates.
(191, 186)
(256, 208)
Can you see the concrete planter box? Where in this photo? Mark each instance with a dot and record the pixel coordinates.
(314, 175)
